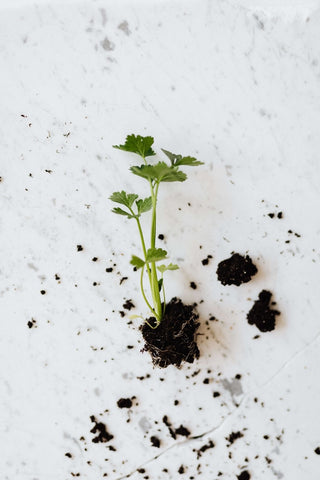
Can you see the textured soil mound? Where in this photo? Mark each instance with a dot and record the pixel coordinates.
(174, 340)
(261, 314)
(236, 270)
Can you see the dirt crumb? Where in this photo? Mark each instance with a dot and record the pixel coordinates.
(261, 314)
(236, 270)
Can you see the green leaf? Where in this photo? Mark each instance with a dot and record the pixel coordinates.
(144, 205)
(164, 268)
(119, 211)
(138, 144)
(161, 172)
(124, 198)
(137, 262)
(155, 255)
(178, 160)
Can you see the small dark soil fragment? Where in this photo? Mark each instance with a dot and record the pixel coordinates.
(31, 323)
(236, 270)
(261, 314)
(128, 304)
(193, 285)
(109, 269)
(245, 475)
(182, 431)
(100, 428)
(181, 469)
(168, 424)
(317, 450)
(161, 236)
(124, 403)
(155, 441)
(216, 394)
(79, 248)
(201, 450)
(205, 261)
(174, 340)
(233, 437)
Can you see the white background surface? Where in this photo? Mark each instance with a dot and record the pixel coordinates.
(237, 86)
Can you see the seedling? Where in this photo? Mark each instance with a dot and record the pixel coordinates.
(154, 174)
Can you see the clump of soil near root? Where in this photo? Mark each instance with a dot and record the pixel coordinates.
(261, 314)
(236, 270)
(174, 340)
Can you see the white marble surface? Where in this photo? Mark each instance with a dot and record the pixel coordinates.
(236, 84)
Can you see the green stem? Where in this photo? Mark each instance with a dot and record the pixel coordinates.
(154, 276)
(143, 293)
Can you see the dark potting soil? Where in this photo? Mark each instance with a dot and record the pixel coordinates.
(245, 475)
(174, 340)
(261, 314)
(124, 403)
(100, 430)
(233, 437)
(236, 270)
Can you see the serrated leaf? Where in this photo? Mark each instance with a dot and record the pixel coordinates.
(124, 198)
(161, 172)
(119, 211)
(164, 268)
(137, 262)
(144, 205)
(138, 144)
(178, 160)
(155, 255)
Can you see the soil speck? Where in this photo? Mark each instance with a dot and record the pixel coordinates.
(124, 403)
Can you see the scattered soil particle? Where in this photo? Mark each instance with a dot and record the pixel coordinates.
(174, 340)
(109, 269)
(161, 236)
(233, 437)
(43, 292)
(124, 403)
(68, 454)
(94, 259)
(168, 424)
(100, 428)
(155, 441)
(245, 475)
(205, 261)
(122, 314)
(280, 215)
(261, 314)
(216, 394)
(182, 431)
(181, 469)
(128, 304)
(79, 248)
(193, 285)
(236, 270)
(123, 279)
(317, 450)
(32, 323)
(204, 448)
(56, 276)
